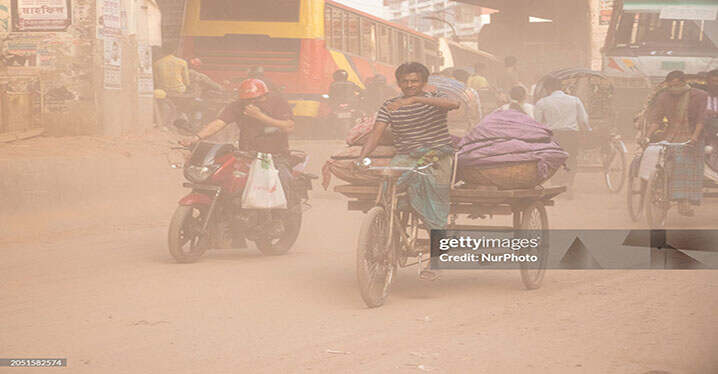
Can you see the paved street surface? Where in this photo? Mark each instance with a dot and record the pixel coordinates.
(111, 300)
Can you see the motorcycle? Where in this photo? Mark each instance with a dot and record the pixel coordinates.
(343, 117)
(188, 113)
(211, 215)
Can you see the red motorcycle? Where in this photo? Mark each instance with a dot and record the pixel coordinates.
(211, 216)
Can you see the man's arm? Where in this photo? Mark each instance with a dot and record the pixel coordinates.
(373, 140)
(700, 120)
(438, 102)
(253, 111)
(207, 131)
(539, 112)
(185, 74)
(582, 116)
(654, 114)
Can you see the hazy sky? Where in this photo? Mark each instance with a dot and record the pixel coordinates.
(373, 7)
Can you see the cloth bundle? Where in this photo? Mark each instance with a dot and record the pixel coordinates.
(509, 136)
(341, 165)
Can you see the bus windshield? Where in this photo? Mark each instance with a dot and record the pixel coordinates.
(250, 10)
(649, 30)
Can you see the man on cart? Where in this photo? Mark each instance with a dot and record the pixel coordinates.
(418, 122)
(685, 110)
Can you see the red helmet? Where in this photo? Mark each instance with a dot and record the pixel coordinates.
(195, 62)
(252, 88)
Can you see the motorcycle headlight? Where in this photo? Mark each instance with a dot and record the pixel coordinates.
(198, 174)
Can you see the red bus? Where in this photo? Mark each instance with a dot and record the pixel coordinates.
(299, 44)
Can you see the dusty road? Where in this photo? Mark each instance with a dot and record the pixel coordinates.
(112, 301)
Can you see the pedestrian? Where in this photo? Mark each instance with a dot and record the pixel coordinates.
(712, 88)
(171, 74)
(685, 108)
(518, 102)
(565, 115)
(508, 78)
(199, 82)
(478, 80)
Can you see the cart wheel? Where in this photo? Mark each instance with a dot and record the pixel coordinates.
(375, 262)
(534, 222)
(657, 203)
(614, 165)
(635, 191)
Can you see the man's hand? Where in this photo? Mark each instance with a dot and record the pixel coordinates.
(254, 112)
(361, 163)
(395, 105)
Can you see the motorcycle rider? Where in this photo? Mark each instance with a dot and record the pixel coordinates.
(342, 91)
(376, 93)
(199, 82)
(265, 120)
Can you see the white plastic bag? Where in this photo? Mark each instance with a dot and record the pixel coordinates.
(263, 189)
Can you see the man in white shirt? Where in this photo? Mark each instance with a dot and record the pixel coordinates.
(712, 113)
(565, 115)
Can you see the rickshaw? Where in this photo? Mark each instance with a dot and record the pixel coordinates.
(604, 141)
(389, 235)
(650, 193)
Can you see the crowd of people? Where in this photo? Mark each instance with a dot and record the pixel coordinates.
(418, 119)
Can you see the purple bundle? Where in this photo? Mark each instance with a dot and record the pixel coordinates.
(510, 136)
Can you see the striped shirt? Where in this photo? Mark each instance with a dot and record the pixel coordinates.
(417, 125)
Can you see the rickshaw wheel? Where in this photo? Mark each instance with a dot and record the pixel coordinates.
(375, 262)
(534, 222)
(635, 190)
(614, 166)
(656, 201)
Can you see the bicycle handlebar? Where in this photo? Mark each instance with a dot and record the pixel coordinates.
(667, 144)
(415, 169)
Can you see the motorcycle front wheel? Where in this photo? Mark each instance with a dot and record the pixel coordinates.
(292, 221)
(185, 244)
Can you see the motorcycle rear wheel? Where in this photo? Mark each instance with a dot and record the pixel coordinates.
(292, 220)
(185, 244)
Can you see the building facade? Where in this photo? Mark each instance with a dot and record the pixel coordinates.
(77, 67)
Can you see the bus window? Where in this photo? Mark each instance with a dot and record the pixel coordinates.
(351, 32)
(648, 29)
(410, 48)
(400, 55)
(368, 39)
(418, 50)
(328, 26)
(250, 10)
(337, 27)
(384, 45)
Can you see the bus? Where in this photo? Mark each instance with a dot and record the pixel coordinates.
(299, 44)
(649, 38)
